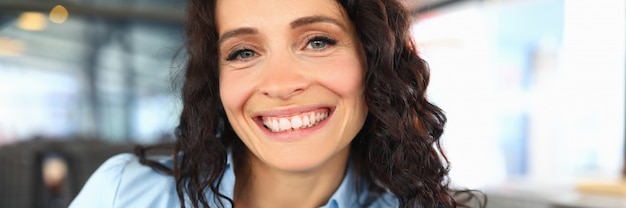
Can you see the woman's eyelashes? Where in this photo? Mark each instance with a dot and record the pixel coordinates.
(315, 43)
(241, 54)
(319, 43)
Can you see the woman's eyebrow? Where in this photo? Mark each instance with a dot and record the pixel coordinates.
(237, 32)
(316, 19)
(296, 23)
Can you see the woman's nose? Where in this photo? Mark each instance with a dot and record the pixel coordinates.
(282, 78)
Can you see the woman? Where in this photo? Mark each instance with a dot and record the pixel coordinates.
(309, 103)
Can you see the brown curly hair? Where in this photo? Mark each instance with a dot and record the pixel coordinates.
(397, 150)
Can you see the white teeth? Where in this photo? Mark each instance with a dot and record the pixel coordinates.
(312, 119)
(275, 126)
(284, 124)
(305, 121)
(294, 122)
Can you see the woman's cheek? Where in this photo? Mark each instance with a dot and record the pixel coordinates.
(344, 75)
(232, 92)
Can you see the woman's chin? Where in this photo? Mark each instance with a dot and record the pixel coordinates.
(296, 165)
(304, 160)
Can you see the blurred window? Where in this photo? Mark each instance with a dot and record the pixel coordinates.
(532, 89)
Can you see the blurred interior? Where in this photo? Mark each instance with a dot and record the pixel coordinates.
(534, 91)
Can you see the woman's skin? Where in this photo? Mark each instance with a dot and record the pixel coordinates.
(282, 61)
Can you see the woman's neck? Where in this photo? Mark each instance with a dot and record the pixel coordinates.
(259, 185)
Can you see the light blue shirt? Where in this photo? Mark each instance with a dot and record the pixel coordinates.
(122, 181)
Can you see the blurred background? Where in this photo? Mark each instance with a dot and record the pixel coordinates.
(534, 91)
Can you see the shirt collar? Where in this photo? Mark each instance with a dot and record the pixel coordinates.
(345, 195)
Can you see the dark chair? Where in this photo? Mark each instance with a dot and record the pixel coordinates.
(21, 170)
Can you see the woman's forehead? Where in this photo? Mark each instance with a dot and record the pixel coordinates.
(231, 14)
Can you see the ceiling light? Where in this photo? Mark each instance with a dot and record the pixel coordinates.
(31, 21)
(58, 14)
(11, 47)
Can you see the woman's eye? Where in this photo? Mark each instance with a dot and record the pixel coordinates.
(317, 44)
(320, 42)
(241, 54)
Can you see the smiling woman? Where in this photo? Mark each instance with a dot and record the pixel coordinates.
(304, 66)
(311, 103)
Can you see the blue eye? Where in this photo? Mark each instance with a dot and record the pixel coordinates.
(320, 42)
(317, 44)
(241, 54)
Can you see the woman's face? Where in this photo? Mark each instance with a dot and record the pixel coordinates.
(291, 80)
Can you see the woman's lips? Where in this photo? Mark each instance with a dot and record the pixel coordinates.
(295, 122)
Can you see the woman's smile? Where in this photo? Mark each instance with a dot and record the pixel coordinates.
(299, 121)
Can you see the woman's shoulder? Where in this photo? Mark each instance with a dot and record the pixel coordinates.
(122, 181)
